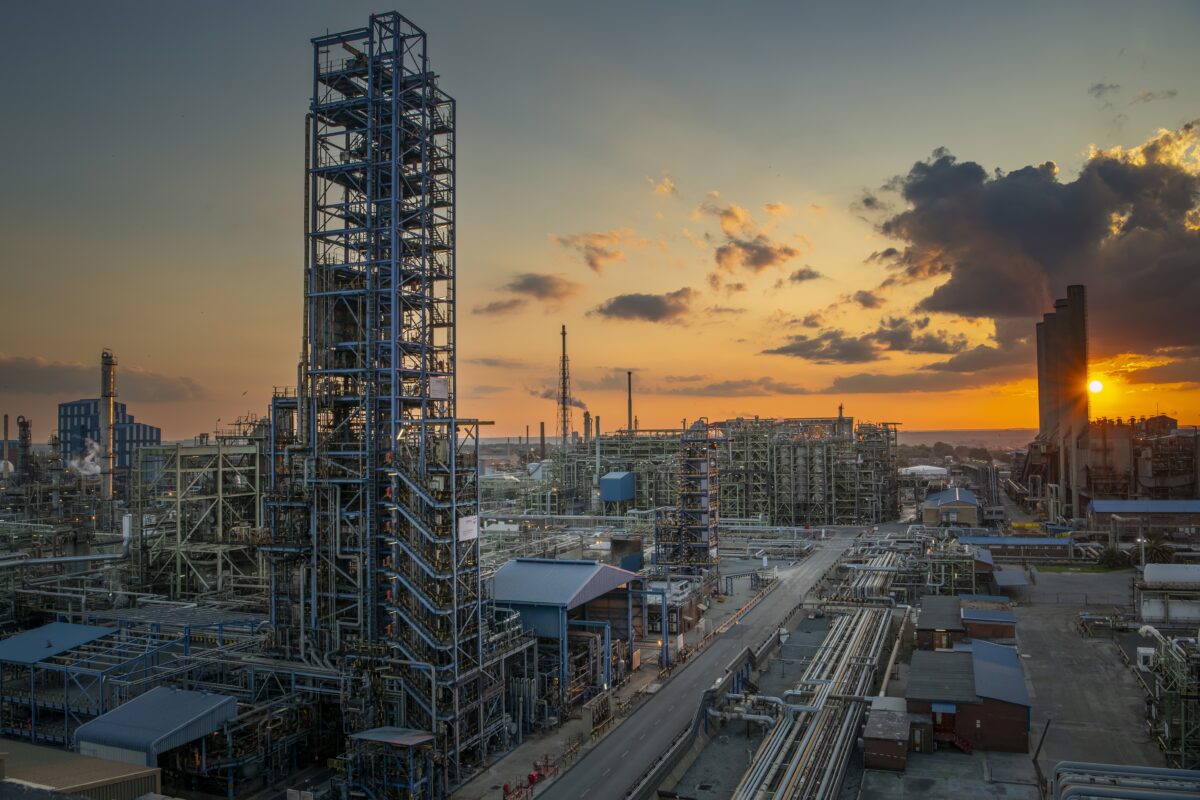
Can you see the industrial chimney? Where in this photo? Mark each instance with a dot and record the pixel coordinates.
(108, 409)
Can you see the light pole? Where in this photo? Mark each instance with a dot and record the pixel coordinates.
(1142, 545)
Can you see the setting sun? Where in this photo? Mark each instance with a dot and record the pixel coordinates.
(1095, 387)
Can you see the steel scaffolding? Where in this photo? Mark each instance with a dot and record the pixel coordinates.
(685, 539)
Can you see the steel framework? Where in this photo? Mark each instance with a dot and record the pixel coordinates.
(685, 541)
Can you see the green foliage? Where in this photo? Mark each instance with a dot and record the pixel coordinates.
(1113, 558)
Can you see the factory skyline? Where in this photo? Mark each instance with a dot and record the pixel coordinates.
(781, 281)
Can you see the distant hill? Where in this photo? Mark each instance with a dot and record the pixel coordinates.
(994, 438)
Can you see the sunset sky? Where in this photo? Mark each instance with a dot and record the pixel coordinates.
(762, 208)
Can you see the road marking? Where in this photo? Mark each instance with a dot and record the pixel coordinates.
(643, 736)
(624, 754)
(605, 773)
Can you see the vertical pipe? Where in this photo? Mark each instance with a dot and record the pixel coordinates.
(4, 457)
(629, 400)
(543, 442)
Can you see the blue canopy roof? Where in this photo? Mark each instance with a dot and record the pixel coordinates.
(1010, 577)
(998, 673)
(989, 615)
(955, 495)
(157, 721)
(38, 644)
(556, 582)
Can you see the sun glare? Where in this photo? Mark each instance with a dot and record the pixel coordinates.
(1095, 387)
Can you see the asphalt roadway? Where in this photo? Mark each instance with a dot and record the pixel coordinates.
(621, 758)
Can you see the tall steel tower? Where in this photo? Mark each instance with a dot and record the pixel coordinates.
(564, 394)
(374, 498)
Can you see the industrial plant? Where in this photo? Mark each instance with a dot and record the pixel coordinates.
(354, 593)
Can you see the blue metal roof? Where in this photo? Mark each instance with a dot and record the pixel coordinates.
(984, 555)
(989, 615)
(955, 495)
(998, 673)
(1015, 541)
(157, 721)
(983, 598)
(1145, 506)
(38, 644)
(556, 582)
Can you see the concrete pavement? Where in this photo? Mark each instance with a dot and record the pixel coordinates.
(620, 759)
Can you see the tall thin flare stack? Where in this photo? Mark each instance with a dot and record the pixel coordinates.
(564, 395)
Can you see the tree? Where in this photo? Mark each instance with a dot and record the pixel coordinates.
(1157, 550)
(1113, 558)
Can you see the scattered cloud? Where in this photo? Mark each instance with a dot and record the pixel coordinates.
(498, 307)
(746, 387)
(1182, 371)
(914, 336)
(867, 299)
(39, 376)
(499, 363)
(829, 347)
(778, 209)
(725, 310)
(816, 208)
(747, 246)
(668, 307)
(1150, 97)
(682, 378)
(805, 273)
(548, 287)
(1102, 90)
(598, 249)
(664, 186)
(485, 390)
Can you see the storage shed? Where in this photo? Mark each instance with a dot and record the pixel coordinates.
(955, 506)
(70, 773)
(153, 723)
(885, 737)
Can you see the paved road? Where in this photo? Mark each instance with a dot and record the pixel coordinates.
(623, 756)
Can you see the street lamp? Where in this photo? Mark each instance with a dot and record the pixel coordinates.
(1142, 543)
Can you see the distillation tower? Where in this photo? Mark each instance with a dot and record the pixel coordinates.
(372, 495)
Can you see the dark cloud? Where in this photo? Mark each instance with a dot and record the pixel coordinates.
(682, 378)
(867, 299)
(496, 307)
(985, 357)
(913, 336)
(548, 287)
(813, 320)
(1102, 90)
(598, 249)
(755, 254)
(805, 273)
(1182, 371)
(669, 307)
(1128, 227)
(873, 383)
(34, 375)
(1150, 97)
(725, 310)
(829, 347)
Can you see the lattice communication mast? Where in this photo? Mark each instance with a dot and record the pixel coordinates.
(564, 395)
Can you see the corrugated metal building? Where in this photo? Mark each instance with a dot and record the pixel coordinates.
(955, 506)
(153, 723)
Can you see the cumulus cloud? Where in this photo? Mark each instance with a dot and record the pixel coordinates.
(755, 254)
(1127, 226)
(36, 375)
(668, 307)
(598, 249)
(499, 307)
(552, 288)
(747, 246)
(805, 273)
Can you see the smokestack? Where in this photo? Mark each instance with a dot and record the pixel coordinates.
(587, 426)
(108, 408)
(5, 456)
(629, 395)
(543, 445)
